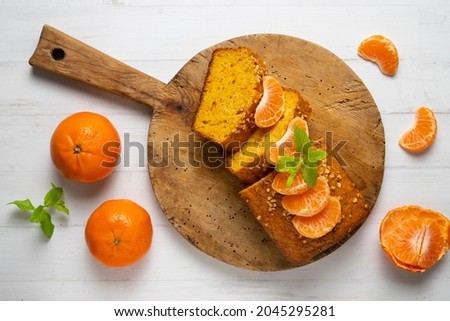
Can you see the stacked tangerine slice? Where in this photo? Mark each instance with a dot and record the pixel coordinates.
(315, 211)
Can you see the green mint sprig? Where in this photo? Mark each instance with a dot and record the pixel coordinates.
(306, 159)
(40, 214)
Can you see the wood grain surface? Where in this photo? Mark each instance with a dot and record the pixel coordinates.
(207, 211)
(194, 188)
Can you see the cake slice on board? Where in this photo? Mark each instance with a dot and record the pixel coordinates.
(266, 205)
(232, 89)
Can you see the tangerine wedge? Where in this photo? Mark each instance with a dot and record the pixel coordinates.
(382, 51)
(422, 134)
(310, 202)
(279, 184)
(414, 238)
(320, 224)
(285, 146)
(271, 106)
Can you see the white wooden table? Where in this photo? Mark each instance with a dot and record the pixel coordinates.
(158, 37)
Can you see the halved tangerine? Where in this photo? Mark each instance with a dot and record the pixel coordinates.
(414, 238)
(382, 51)
(285, 146)
(422, 134)
(320, 224)
(271, 106)
(310, 202)
(279, 184)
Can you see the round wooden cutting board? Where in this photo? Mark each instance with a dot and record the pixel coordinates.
(200, 196)
(196, 192)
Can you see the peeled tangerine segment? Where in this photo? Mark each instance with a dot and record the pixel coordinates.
(422, 134)
(382, 51)
(285, 146)
(310, 202)
(271, 106)
(414, 238)
(280, 185)
(320, 224)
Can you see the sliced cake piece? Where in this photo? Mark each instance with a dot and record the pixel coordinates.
(265, 204)
(249, 163)
(231, 92)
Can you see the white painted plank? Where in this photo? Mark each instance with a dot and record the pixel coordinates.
(158, 37)
(64, 268)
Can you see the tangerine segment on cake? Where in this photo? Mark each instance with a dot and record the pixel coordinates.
(286, 145)
(231, 91)
(298, 186)
(271, 106)
(310, 202)
(265, 204)
(249, 163)
(320, 224)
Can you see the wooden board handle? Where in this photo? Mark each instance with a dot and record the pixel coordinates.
(67, 56)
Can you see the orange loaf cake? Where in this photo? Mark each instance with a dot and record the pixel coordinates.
(231, 92)
(249, 163)
(265, 204)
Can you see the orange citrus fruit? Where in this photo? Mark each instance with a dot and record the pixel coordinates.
(414, 238)
(422, 134)
(320, 224)
(271, 106)
(279, 184)
(85, 147)
(285, 145)
(308, 203)
(119, 232)
(382, 51)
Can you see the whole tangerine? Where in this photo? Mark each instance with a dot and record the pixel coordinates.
(85, 147)
(119, 233)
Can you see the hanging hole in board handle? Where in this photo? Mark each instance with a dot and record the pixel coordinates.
(58, 54)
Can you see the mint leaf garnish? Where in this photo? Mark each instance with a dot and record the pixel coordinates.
(316, 155)
(307, 163)
(301, 139)
(61, 207)
(309, 175)
(53, 196)
(287, 164)
(290, 179)
(53, 199)
(47, 227)
(38, 215)
(24, 205)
